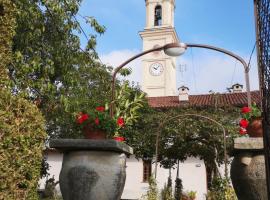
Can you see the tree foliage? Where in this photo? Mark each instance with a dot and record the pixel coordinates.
(185, 136)
(50, 67)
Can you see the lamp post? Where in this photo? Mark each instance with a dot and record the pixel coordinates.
(237, 57)
(172, 49)
(177, 49)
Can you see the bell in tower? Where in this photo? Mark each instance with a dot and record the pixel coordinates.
(158, 15)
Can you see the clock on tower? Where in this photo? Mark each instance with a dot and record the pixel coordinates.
(159, 73)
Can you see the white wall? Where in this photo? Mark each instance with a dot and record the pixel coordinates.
(54, 159)
(192, 173)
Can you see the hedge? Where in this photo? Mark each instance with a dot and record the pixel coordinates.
(22, 129)
(22, 138)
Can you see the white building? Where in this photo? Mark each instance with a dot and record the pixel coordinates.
(192, 172)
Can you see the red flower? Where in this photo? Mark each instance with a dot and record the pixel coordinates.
(246, 110)
(242, 131)
(100, 108)
(119, 139)
(120, 121)
(243, 123)
(82, 117)
(97, 121)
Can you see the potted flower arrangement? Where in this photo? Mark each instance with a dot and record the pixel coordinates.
(98, 124)
(248, 165)
(251, 123)
(96, 168)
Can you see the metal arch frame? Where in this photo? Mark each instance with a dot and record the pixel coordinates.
(240, 59)
(237, 57)
(161, 126)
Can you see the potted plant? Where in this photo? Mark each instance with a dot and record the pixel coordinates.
(248, 165)
(251, 123)
(98, 124)
(95, 168)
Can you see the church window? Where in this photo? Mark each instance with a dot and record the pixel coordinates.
(158, 15)
(147, 170)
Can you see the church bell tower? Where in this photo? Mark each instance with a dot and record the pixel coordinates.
(159, 70)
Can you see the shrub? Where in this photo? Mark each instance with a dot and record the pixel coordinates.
(22, 138)
(152, 193)
(221, 190)
(166, 193)
(7, 31)
(50, 189)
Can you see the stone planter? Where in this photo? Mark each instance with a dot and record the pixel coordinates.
(92, 169)
(248, 169)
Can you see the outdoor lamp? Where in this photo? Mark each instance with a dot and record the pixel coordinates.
(175, 49)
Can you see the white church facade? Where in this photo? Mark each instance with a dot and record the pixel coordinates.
(159, 82)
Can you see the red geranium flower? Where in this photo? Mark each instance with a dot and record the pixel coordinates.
(243, 123)
(242, 131)
(97, 121)
(120, 121)
(119, 139)
(246, 110)
(82, 118)
(100, 108)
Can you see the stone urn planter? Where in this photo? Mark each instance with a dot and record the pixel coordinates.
(248, 169)
(92, 169)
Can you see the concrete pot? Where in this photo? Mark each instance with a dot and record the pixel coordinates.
(248, 169)
(92, 169)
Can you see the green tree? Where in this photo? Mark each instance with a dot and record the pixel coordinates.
(185, 136)
(193, 136)
(49, 66)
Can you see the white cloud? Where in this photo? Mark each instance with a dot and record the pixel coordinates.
(215, 72)
(115, 58)
(210, 71)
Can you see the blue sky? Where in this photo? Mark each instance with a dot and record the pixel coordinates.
(224, 23)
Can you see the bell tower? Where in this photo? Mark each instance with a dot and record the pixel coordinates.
(161, 11)
(159, 70)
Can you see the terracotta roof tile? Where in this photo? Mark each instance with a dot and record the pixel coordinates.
(204, 100)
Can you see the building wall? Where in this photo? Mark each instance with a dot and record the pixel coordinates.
(54, 159)
(192, 172)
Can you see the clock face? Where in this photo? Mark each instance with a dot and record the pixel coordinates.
(156, 69)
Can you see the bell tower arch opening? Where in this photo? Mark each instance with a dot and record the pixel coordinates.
(158, 15)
